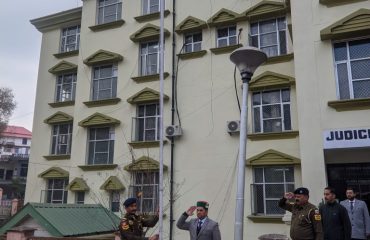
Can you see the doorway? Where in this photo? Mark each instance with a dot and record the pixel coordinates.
(356, 175)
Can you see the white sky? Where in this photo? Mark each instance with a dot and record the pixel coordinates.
(20, 44)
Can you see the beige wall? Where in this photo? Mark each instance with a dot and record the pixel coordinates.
(205, 156)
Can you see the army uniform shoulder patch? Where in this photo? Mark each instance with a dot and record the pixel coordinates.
(317, 215)
(125, 224)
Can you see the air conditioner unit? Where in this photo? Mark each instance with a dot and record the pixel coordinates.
(173, 131)
(233, 126)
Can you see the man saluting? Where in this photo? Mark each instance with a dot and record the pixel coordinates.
(132, 224)
(202, 227)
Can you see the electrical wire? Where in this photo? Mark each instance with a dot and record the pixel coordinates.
(236, 89)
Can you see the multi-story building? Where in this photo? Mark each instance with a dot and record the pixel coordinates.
(15, 143)
(96, 116)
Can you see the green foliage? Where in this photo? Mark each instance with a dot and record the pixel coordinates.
(7, 106)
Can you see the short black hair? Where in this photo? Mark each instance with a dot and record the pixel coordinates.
(331, 190)
(350, 189)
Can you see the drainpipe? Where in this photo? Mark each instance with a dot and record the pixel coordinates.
(172, 114)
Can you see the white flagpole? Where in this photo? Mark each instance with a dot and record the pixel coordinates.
(161, 69)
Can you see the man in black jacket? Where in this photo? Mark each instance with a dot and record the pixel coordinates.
(335, 220)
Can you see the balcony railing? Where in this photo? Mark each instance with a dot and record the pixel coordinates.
(145, 129)
(14, 157)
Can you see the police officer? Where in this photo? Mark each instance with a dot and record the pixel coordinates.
(131, 226)
(306, 218)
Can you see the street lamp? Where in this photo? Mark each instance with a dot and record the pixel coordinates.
(246, 59)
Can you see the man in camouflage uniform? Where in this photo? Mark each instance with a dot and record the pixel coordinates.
(306, 218)
(132, 224)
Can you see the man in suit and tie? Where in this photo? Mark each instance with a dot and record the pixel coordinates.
(358, 215)
(202, 227)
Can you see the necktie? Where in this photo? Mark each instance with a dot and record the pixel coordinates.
(351, 205)
(199, 226)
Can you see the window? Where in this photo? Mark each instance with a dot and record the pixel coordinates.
(147, 122)
(24, 141)
(270, 36)
(109, 11)
(270, 183)
(149, 56)
(145, 188)
(352, 66)
(66, 87)
(271, 111)
(24, 170)
(104, 82)
(9, 175)
(115, 201)
(101, 145)
(61, 139)
(150, 6)
(56, 190)
(193, 42)
(70, 39)
(80, 197)
(2, 171)
(226, 36)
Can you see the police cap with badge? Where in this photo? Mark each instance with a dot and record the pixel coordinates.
(129, 202)
(302, 191)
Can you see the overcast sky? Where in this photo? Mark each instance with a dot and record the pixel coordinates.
(20, 50)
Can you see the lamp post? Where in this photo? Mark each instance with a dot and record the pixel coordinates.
(246, 59)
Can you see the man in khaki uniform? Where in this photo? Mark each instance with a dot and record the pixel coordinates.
(306, 218)
(132, 224)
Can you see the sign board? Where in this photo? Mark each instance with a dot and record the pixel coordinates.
(347, 138)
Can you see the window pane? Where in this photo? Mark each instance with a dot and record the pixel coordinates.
(360, 69)
(340, 51)
(272, 207)
(282, 23)
(274, 190)
(151, 110)
(150, 135)
(223, 32)
(285, 93)
(273, 125)
(102, 133)
(287, 121)
(260, 208)
(101, 146)
(361, 89)
(343, 83)
(274, 174)
(268, 26)
(268, 39)
(270, 51)
(221, 42)
(282, 39)
(232, 40)
(289, 174)
(105, 71)
(256, 99)
(359, 49)
(257, 119)
(197, 37)
(254, 28)
(271, 97)
(197, 47)
(254, 41)
(101, 158)
(271, 111)
(258, 175)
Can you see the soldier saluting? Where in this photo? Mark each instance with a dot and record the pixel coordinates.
(132, 224)
(306, 218)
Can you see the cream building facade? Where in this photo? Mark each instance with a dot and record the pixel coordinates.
(95, 128)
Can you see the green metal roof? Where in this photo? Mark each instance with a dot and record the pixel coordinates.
(62, 220)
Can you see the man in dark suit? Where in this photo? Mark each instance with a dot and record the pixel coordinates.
(358, 215)
(202, 227)
(335, 220)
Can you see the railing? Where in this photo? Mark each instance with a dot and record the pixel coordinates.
(14, 157)
(145, 129)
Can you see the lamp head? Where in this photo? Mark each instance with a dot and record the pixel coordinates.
(248, 59)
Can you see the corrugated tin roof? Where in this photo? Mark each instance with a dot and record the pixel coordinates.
(67, 219)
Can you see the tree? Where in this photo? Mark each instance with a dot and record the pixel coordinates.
(7, 106)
